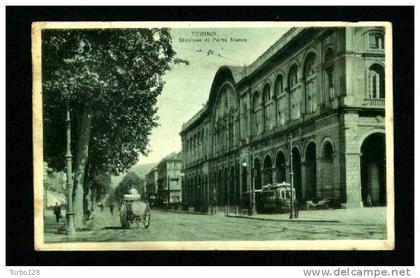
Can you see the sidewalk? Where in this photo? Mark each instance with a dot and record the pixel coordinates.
(359, 216)
(369, 216)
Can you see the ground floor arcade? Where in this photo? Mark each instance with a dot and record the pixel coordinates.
(344, 165)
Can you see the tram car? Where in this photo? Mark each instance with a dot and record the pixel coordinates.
(275, 197)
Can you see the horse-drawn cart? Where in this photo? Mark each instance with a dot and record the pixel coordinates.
(133, 209)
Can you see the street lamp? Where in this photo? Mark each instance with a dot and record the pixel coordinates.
(244, 164)
(70, 230)
(251, 189)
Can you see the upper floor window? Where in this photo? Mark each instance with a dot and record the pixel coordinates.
(310, 67)
(256, 119)
(329, 74)
(376, 82)
(282, 110)
(295, 94)
(268, 124)
(267, 95)
(278, 85)
(293, 77)
(310, 85)
(376, 41)
(330, 81)
(255, 101)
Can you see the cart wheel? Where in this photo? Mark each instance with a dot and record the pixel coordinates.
(146, 218)
(124, 217)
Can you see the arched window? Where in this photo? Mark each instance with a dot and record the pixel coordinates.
(376, 82)
(267, 107)
(256, 112)
(267, 96)
(278, 85)
(256, 101)
(293, 78)
(295, 96)
(281, 101)
(376, 40)
(328, 152)
(224, 111)
(310, 85)
(329, 75)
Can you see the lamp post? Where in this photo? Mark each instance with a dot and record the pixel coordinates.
(70, 230)
(291, 180)
(253, 210)
(251, 190)
(244, 170)
(244, 165)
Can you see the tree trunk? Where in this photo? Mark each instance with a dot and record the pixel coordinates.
(80, 165)
(92, 200)
(86, 192)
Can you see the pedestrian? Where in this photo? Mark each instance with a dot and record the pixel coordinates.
(296, 207)
(368, 201)
(57, 212)
(111, 208)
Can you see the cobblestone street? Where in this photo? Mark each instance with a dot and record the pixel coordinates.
(172, 226)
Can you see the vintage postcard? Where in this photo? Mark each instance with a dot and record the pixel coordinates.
(213, 136)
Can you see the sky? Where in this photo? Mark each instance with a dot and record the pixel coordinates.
(187, 87)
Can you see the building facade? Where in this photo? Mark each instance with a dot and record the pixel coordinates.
(169, 179)
(152, 185)
(324, 88)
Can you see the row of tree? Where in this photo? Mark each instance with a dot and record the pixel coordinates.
(110, 78)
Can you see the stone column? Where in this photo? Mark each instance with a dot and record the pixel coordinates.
(320, 185)
(351, 165)
(337, 190)
(303, 178)
(352, 177)
(241, 182)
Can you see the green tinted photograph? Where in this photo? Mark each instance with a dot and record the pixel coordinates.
(213, 136)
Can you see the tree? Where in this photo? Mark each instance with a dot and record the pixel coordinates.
(111, 78)
(100, 187)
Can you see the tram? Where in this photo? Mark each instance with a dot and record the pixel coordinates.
(275, 197)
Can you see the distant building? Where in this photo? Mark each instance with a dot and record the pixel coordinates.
(152, 185)
(142, 187)
(169, 179)
(324, 88)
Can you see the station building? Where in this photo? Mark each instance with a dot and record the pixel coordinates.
(322, 87)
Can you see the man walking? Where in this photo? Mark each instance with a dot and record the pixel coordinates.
(57, 212)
